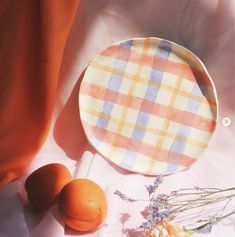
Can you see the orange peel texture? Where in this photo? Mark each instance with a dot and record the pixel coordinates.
(83, 205)
(44, 185)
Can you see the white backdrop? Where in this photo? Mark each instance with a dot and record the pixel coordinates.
(205, 27)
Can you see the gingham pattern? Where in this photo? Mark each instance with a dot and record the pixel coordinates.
(148, 105)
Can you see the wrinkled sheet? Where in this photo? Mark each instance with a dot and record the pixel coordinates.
(205, 27)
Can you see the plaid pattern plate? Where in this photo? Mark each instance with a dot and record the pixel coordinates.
(148, 105)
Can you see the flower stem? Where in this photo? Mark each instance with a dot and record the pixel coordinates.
(217, 219)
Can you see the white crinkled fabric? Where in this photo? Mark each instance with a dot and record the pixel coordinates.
(206, 28)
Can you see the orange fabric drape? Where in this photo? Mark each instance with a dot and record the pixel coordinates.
(33, 35)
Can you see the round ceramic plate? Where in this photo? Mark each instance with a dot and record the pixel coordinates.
(148, 105)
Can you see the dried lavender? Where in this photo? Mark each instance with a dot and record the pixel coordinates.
(124, 197)
(196, 209)
(152, 188)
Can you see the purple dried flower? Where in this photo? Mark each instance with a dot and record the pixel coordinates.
(162, 197)
(153, 206)
(196, 188)
(157, 213)
(151, 189)
(124, 197)
(164, 213)
(158, 180)
(174, 193)
(163, 207)
(207, 228)
(213, 220)
(159, 202)
(146, 225)
(154, 218)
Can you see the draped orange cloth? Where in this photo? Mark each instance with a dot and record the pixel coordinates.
(33, 35)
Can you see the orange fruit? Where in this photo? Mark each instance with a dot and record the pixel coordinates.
(44, 185)
(83, 205)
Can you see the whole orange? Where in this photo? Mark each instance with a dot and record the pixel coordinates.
(83, 205)
(44, 185)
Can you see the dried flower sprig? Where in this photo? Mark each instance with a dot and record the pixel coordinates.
(196, 209)
(124, 196)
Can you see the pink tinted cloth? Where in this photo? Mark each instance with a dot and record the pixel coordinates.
(206, 28)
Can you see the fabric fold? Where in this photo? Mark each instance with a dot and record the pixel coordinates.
(33, 38)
